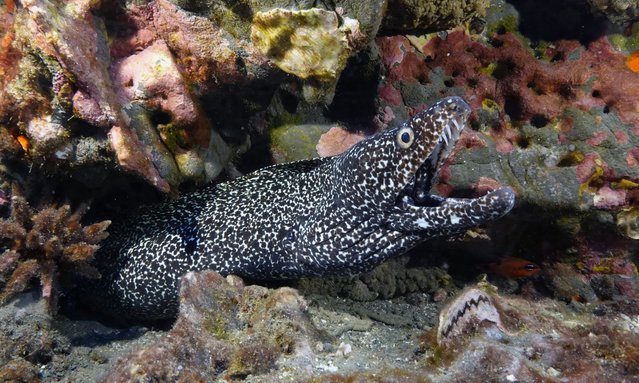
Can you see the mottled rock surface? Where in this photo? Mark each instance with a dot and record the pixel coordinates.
(36, 347)
(622, 12)
(226, 330)
(429, 16)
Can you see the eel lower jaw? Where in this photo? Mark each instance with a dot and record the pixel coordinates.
(426, 200)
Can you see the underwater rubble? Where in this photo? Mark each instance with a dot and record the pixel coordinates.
(114, 105)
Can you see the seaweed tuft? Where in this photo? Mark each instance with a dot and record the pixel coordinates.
(48, 244)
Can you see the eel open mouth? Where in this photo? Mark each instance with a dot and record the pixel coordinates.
(418, 190)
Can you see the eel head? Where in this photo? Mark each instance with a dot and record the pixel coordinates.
(395, 169)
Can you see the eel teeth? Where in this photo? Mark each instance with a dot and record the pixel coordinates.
(448, 132)
(445, 138)
(457, 125)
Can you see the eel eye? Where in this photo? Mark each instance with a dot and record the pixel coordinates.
(405, 137)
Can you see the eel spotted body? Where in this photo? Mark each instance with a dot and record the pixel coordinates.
(342, 214)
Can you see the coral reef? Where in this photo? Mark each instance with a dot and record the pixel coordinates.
(541, 342)
(169, 91)
(43, 244)
(226, 330)
(506, 75)
(307, 44)
(64, 73)
(80, 76)
(64, 61)
(195, 151)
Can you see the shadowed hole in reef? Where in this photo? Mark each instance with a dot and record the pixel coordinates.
(539, 121)
(495, 43)
(523, 142)
(513, 107)
(570, 159)
(503, 69)
(289, 101)
(160, 117)
(354, 101)
(559, 56)
(553, 20)
(230, 110)
(566, 91)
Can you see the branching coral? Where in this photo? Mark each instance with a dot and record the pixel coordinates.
(44, 244)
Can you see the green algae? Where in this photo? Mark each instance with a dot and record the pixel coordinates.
(627, 43)
(296, 142)
(508, 23)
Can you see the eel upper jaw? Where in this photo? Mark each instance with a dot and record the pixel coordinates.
(417, 192)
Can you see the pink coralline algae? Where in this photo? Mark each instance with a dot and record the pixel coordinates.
(336, 141)
(506, 73)
(74, 44)
(83, 72)
(205, 54)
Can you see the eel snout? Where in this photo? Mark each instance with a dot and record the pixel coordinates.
(453, 117)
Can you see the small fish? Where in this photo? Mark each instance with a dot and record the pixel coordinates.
(24, 143)
(513, 268)
(632, 62)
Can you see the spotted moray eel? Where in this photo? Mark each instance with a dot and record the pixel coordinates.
(342, 214)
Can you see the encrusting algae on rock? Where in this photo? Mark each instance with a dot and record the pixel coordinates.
(311, 44)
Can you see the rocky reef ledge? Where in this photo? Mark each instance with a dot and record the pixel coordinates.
(106, 106)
